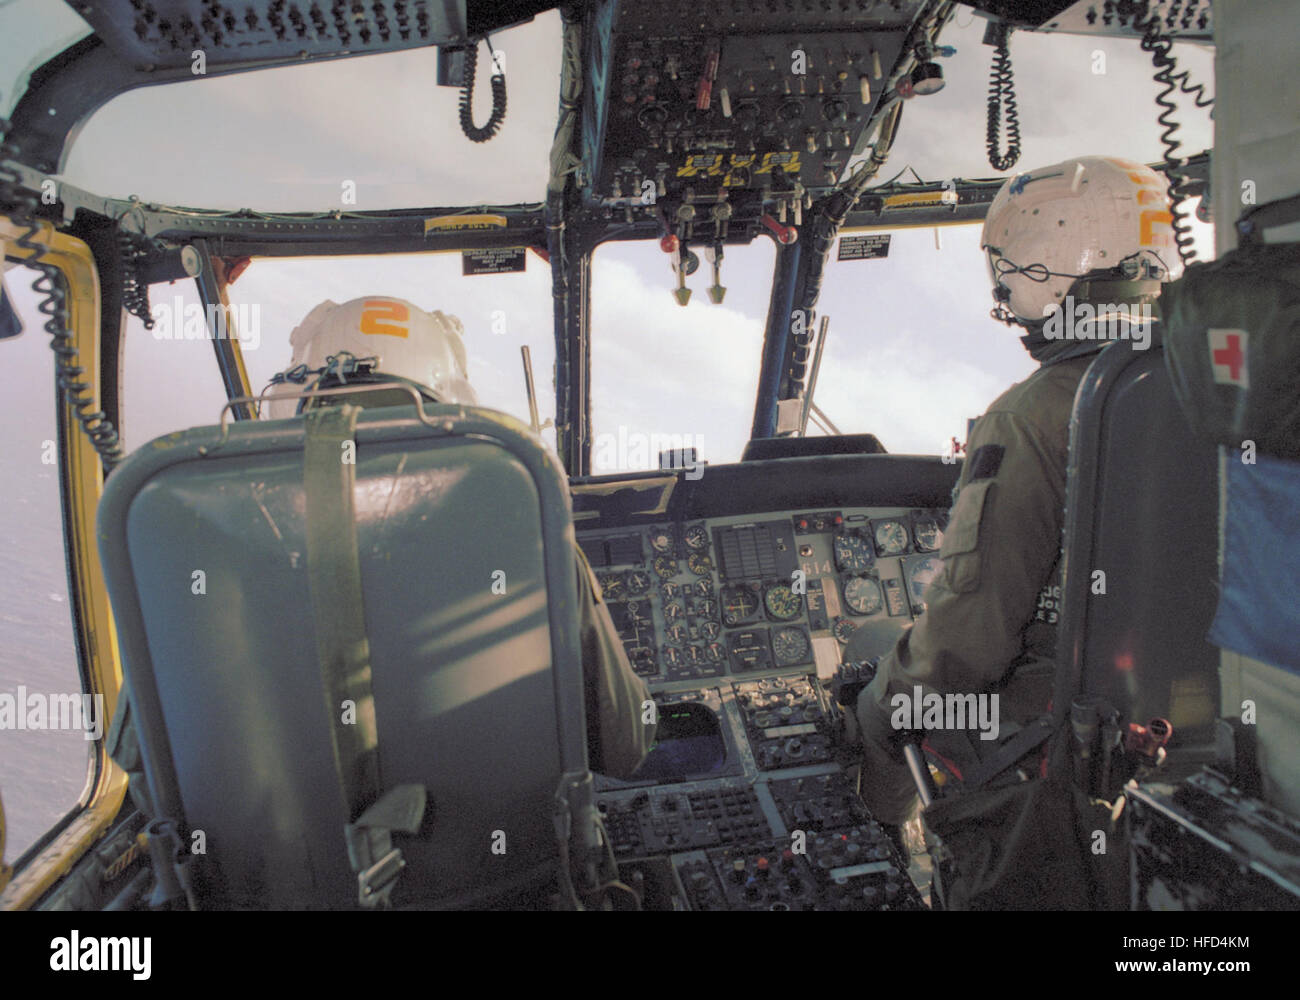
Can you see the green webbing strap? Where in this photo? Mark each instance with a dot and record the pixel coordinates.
(334, 578)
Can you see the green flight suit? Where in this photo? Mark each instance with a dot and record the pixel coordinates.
(989, 625)
(617, 739)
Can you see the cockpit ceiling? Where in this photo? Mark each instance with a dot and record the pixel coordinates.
(164, 34)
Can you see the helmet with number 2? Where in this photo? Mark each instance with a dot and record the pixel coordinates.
(1091, 217)
(411, 345)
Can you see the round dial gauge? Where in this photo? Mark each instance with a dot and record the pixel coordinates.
(673, 610)
(714, 652)
(789, 645)
(700, 565)
(862, 595)
(891, 538)
(852, 553)
(921, 574)
(676, 633)
(612, 586)
(710, 629)
(844, 629)
(697, 537)
(782, 603)
(672, 656)
(705, 609)
(702, 588)
(661, 539)
(738, 604)
(665, 566)
(694, 656)
(671, 591)
(928, 534)
(638, 581)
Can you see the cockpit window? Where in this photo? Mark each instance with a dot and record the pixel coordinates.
(500, 312)
(664, 376)
(32, 32)
(361, 134)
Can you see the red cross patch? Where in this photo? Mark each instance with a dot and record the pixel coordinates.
(1228, 357)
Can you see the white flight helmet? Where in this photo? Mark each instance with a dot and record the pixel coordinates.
(406, 343)
(1093, 217)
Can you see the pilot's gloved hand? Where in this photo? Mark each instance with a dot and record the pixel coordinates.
(887, 785)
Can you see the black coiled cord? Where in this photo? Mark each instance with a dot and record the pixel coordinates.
(472, 131)
(1002, 100)
(49, 285)
(135, 294)
(1158, 43)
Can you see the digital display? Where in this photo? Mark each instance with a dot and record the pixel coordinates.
(688, 743)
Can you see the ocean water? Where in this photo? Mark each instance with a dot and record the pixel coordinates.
(42, 773)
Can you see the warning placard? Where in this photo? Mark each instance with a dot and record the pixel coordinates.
(863, 247)
(501, 260)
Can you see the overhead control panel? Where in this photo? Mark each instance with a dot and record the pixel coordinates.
(706, 113)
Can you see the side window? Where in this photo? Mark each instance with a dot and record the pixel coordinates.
(46, 723)
(170, 379)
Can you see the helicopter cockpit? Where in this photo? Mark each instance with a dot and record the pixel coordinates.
(747, 251)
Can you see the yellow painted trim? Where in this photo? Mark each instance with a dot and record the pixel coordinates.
(100, 802)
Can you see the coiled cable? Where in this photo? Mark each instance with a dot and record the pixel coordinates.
(135, 294)
(1158, 43)
(1002, 103)
(78, 393)
(472, 131)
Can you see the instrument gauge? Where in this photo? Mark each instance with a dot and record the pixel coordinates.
(714, 652)
(699, 564)
(665, 566)
(676, 633)
(739, 603)
(661, 539)
(891, 538)
(782, 603)
(852, 553)
(672, 656)
(929, 536)
(705, 609)
(673, 610)
(638, 581)
(671, 591)
(862, 595)
(694, 656)
(702, 588)
(920, 574)
(790, 645)
(612, 586)
(697, 538)
(843, 630)
(710, 629)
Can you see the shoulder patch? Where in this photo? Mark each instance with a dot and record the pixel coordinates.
(986, 461)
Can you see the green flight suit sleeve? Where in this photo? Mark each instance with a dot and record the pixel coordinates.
(617, 739)
(1001, 545)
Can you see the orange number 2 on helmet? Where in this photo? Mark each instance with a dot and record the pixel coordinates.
(387, 318)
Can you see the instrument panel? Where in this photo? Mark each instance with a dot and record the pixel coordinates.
(737, 624)
(739, 595)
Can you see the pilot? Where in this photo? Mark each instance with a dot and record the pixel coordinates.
(426, 350)
(1077, 252)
